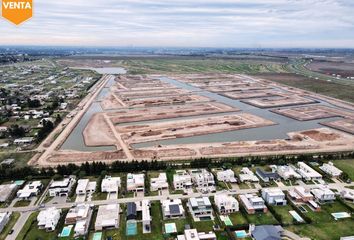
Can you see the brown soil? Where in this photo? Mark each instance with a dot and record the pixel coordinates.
(321, 136)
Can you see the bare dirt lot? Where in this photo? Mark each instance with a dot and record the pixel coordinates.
(331, 67)
(250, 94)
(191, 127)
(173, 111)
(305, 113)
(278, 101)
(346, 125)
(102, 137)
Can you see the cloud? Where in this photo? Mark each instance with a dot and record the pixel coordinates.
(205, 23)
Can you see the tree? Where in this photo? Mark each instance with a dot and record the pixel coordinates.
(17, 131)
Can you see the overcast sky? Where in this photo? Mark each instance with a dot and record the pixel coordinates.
(186, 23)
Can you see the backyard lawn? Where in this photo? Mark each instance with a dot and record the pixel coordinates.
(346, 166)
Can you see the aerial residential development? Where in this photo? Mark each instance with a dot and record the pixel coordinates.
(177, 120)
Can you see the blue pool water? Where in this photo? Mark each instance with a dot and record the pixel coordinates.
(66, 231)
(241, 234)
(132, 228)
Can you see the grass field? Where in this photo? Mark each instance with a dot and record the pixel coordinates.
(21, 159)
(346, 166)
(283, 211)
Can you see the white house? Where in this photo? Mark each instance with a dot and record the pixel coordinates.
(182, 180)
(110, 184)
(226, 204)
(24, 140)
(323, 194)
(6, 190)
(202, 179)
(200, 208)
(4, 219)
(287, 172)
(273, 196)
(347, 194)
(307, 172)
(80, 215)
(253, 203)
(193, 234)
(331, 170)
(247, 175)
(82, 185)
(48, 219)
(135, 182)
(146, 216)
(159, 183)
(30, 190)
(300, 194)
(172, 208)
(226, 176)
(62, 187)
(107, 217)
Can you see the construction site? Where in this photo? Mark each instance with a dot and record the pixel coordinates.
(146, 117)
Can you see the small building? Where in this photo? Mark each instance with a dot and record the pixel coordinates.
(267, 232)
(193, 234)
(226, 204)
(110, 184)
(24, 140)
(274, 196)
(80, 215)
(31, 189)
(331, 170)
(323, 194)
(287, 172)
(172, 208)
(84, 186)
(307, 172)
(202, 180)
(135, 182)
(131, 211)
(6, 191)
(62, 187)
(253, 204)
(247, 175)
(182, 180)
(159, 183)
(107, 217)
(226, 176)
(347, 194)
(4, 219)
(146, 216)
(200, 208)
(300, 194)
(267, 176)
(48, 219)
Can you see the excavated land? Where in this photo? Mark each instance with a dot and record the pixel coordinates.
(346, 125)
(315, 140)
(173, 111)
(278, 101)
(134, 102)
(251, 94)
(103, 137)
(138, 133)
(306, 113)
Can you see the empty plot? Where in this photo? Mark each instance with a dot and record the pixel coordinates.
(250, 94)
(306, 113)
(148, 93)
(346, 125)
(98, 132)
(173, 111)
(279, 101)
(190, 127)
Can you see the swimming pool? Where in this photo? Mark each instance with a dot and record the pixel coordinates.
(132, 228)
(296, 216)
(97, 236)
(241, 234)
(170, 228)
(339, 215)
(66, 231)
(226, 220)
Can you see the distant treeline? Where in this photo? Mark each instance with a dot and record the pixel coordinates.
(96, 168)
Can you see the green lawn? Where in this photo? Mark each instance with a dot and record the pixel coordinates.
(324, 216)
(21, 159)
(237, 218)
(22, 203)
(324, 231)
(13, 218)
(346, 166)
(261, 218)
(283, 211)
